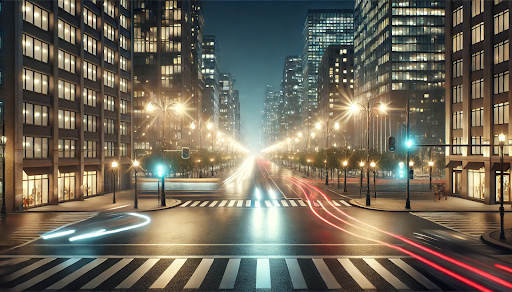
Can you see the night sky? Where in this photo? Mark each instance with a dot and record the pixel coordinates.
(254, 39)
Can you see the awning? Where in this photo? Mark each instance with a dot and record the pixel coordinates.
(68, 168)
(474, 165)
(454, 164)
(94, 167)
(37, 170)
(497, 166)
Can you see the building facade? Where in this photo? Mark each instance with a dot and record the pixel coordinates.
(211, 73)
(236, 115)
(66, 85)
(226, 103)
(291, 86)
(477, 110)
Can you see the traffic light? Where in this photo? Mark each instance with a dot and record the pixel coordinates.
(160, 171)
(408, 143)
(391, 144)
(185, 153)
(411, 173)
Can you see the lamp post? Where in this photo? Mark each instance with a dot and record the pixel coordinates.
(501, 138)
(3, 143)
(411, 164)
(361, 185)
(114, 168)
(430, 163)
(135, 167)
(345, 164)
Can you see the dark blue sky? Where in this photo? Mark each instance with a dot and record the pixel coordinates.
(254, 39)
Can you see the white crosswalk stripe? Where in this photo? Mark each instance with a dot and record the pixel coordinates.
(213, 203)
(468, 224)
(185, 204)
(199, 274)
(195, 203)
(345, 203)
(259, 203)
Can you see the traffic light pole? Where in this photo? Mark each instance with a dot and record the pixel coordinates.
(407, 200)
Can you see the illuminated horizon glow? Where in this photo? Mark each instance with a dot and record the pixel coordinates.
(102, 232)
(439, 255)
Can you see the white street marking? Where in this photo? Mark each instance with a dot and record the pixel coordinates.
(197, 278)
(284, 203)
(386, 274)
(356, 274)
(77, 274)
(44, 275)
(26, 270)
(213, 204)
(298, 281)
(168, 274)
(229, 278)
(223, 203)
(415, 274)
(326, 274)
(195, 203)
(248, 203)
(263, 274)
(137, 274)
(186, 204)
(204, 203)
(105, 275)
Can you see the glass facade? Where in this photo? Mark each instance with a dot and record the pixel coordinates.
(66, 186)
(35, 190)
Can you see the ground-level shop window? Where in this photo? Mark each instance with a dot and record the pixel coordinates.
(90, 183)
(457, 186)
(35, 190)
(506, 186)
(66, 186)
(476, 181)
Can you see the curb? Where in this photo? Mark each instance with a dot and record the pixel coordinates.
(355, 204)
(495, 243)
(177, 203)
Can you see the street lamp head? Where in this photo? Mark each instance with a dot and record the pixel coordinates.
(3, 141)
(372, 164)
(318, 125)
(212, 160)
(135, 163)
(178, 107)
(361, 163)
(336, 125)
(193, 125)
(150, 107)
(382, 107)
(354, 107)
(309, 160)
(345, 163)
(501, 138)
(431, 163)
(300, 134)
(411, 163)
(114, 164)
(313, 135)
(209, 126)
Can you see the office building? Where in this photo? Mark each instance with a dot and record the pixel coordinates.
(226, 103)
(66, 88)
(291, 86)
(236, 115)
(211, 73)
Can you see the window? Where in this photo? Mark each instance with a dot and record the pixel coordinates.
(124, 128)
(66, 61)
(501, 22)
(124, 149)
(90, 149)
(457, 94)
(66, 148)
(457, 120)
(477, 89)
(477, 61)
(477, 116)
(123, 42)
(90, 18)
(457, 150)
(457, 42)
(35, 188)
(477, 33)
(66, 90)
(35, 15)
(67, 119)
(123, 85)
(110, 126)
(35, 114)
(109, 31)
(477, 7)
(89, 97)
(123, 63)
(476, 150)
(109, 78)
(68, 6)
(66, 186)
(90, 123)
(501, 113)
(109, 8)
(457, 68)
(457, 16)
(67, 32)
(123, 21)
(476, 182)
(108, 55)
(90, 44)
(35, 147)
(109, 149)
(108, 103)
(90, 71)
(501, 53)
(124, 3)
(35, 48)
(496, 150)
(501, 82)
(124, 106)
(34, 81)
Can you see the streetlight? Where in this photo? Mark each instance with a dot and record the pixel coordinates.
(3, 143)
(430, 163)
(345, 164)
(212, 160)
(327, 132)
(135, 167)
(361, 185)
(374, 185)
(501, 139)
(114, 168)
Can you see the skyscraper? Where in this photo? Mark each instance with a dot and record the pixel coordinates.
(211, 72)
(322, 28)
(236, 115)
(226, 103)
(291, 86)
(399, 55)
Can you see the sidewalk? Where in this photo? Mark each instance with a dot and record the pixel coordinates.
(493, 238)
(103, 203)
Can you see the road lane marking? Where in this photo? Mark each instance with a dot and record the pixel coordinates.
(284, 203)
(248, 203)
(137, 274)
(298, 281)
(263, 274)
(276, 203)
(336, 203)
(301, 202)
(44, 275)
(105, 275)
(204, 203)
(119, 207)
(257, 204)
(415, 274)
(232, 203)
(356, 274)
(268, 203)
(26, 270)
(195, 203)
(293, 190)
(77, 274)
(293, 203)
(345, 203)
(326, 274)
(223, 203)
(229, 278)
(386, 274)
(213, 204)
(185, 204)
(168, 274)
(240, 203)
(197, 278)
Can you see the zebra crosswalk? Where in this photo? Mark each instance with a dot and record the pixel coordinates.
(261, 203)
(237, 273)
(465, 223)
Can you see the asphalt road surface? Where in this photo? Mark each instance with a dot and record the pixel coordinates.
(267, 228)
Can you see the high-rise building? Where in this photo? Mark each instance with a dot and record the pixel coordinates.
(477, 110)
(335, 94)
(291, 86)
(66, 89)
(236, 115)
(269, 135)
(226, 103)
(399, 55)
(211, 72)
(167, 56)
(322, 28)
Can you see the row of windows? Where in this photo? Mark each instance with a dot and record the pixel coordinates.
(67, 61)
(500, 116)
(66, 90)
(477, 7)
(501, 82)
(457, 120)
(477, 149)
(457, 68)
(67, 148)
(501, 52)
(68, 6)
(477, 33)
(67, 32)
(477, 116)
(35, 48)
(90, 123)
(35, 15)
(501, 21)
(457, 16)
(477, 61)
(35, 114)
(67, 119)
(36, 147)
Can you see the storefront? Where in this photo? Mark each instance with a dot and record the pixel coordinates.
(496, 168)
(67, 183)
(476, 183)
(35, 189)
(90, 183)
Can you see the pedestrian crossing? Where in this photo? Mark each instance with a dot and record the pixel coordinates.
(470, 224)
(261, 203)
(237, 273)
